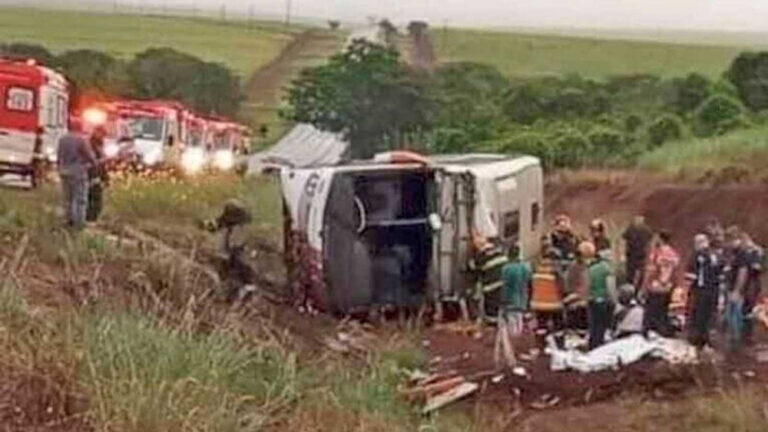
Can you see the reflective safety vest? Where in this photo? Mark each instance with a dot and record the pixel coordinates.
(545, 295)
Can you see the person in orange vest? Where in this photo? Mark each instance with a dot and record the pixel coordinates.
(546, 293)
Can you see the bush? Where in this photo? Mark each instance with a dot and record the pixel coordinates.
(665, 128)
(718, 115)
(529, 143)
(688, 93)
(632, 123)
(605, 142)
(572, 149)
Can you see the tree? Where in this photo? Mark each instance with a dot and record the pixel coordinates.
(606, 142)
(686, 94)
(665, 128)
(334, 24)
(28, 51)
(718, 115)
(749, 74)
(164, 73)
(364, 93)
(468, 98)
(94, 72)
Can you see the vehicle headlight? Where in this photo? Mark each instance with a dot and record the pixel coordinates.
(224, 160)
(50, 154)
(192, 160)
(151, 158)
(111, 149)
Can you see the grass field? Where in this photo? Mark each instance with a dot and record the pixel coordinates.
(745, 150)
(531, 55)
(241, 47)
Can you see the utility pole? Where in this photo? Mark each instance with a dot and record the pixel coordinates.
(223, 11)
(250, 15)
(288, 12)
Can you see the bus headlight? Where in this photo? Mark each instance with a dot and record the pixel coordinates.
(224, 160)
(111, 150)
(151, 158)
(192, 160)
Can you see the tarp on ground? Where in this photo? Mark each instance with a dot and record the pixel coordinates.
(303, 147)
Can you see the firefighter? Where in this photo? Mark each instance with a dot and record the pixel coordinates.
(704, 275)
(563, 239)
(74, 158)
(546, 293)
(97, 176)
(602, 288)
(754, 257)
(237, 273)
(487, 264)
(637, 238)
(661, 273)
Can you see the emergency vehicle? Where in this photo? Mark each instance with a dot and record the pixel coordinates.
(155, 132)
(225, 141)
(33, 117)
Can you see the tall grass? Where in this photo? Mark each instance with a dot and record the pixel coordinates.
(746, 148)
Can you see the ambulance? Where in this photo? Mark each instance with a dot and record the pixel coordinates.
(33, 117)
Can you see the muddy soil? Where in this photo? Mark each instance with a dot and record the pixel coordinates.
(472, 356)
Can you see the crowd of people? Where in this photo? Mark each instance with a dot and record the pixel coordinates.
(83, 176)
(578, 284)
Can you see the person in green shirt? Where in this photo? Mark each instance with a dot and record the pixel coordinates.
(516, 278)
(602, 288)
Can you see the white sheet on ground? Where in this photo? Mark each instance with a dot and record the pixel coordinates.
(622, 352)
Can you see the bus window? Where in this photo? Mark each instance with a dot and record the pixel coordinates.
(510, 225)
(20, 99)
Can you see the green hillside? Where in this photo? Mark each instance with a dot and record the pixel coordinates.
(238, 45)
(527, 55)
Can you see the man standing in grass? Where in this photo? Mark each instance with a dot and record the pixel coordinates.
(75, 158)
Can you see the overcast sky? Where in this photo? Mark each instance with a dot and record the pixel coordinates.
(733, 15)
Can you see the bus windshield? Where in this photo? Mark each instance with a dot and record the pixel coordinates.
(148, 128)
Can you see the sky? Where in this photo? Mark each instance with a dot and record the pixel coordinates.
(730, 15)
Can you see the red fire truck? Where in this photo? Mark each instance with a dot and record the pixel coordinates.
(33, 116)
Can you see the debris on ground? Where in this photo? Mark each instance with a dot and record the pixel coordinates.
(443, 399)
(622, 352)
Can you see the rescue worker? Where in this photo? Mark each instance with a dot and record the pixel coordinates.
(487, 264)
(663, 263)
(704, 275)
(736, 276)
(637, 238)
(516, 276)
(97, 176)
(546, 293)
(74, 158)
(599, 238)
(563, 239)
(602, 288)
(754, 256)
(232, 222)
(577, 290)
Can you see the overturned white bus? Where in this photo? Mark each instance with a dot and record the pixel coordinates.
(382, 233)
